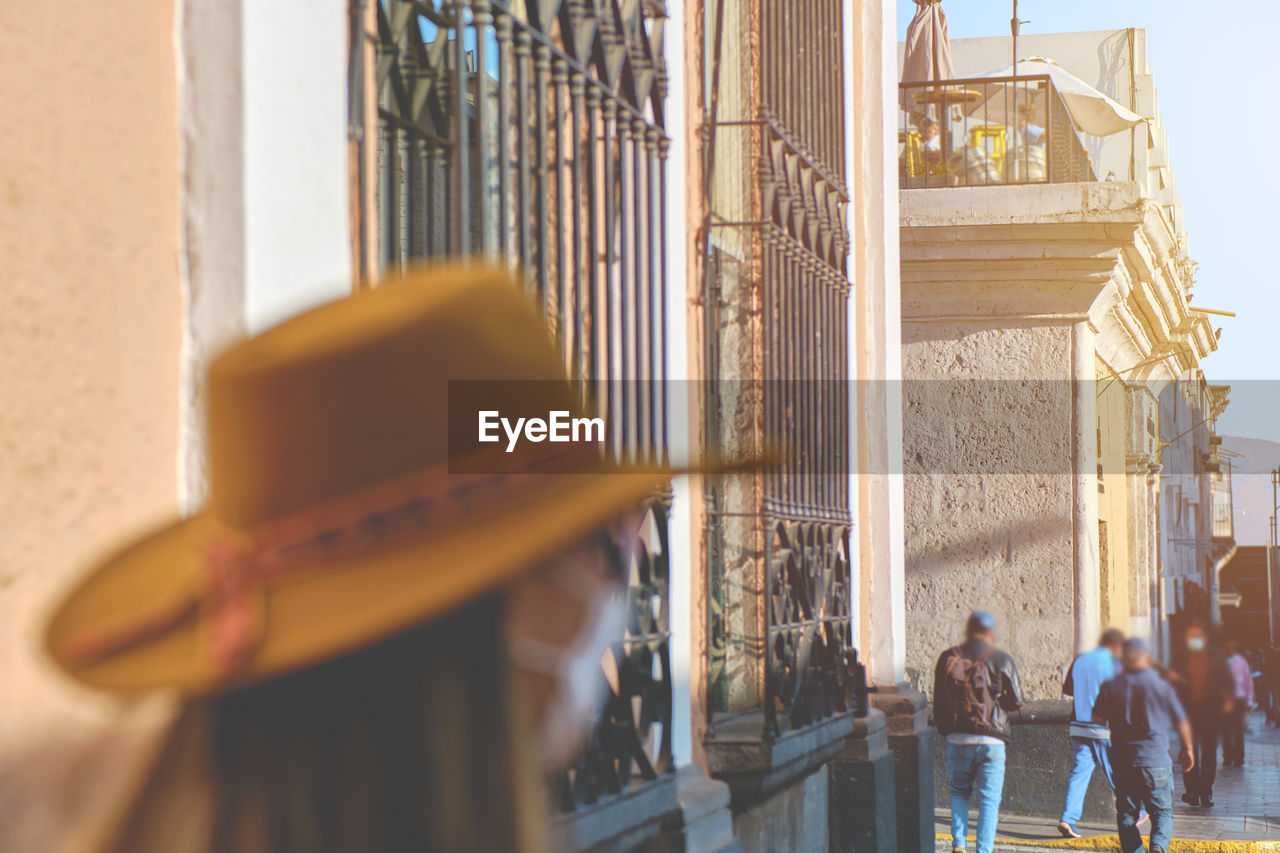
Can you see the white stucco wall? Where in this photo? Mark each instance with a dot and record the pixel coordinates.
(681, 539)
(296, 164)
(264, 169)
(875, 357)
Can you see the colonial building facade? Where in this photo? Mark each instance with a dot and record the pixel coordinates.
(1068, 487)
(700, 196)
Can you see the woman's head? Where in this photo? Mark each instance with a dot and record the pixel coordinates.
(411, 744)
(1197, 637)
(434, 739)
(560, 618)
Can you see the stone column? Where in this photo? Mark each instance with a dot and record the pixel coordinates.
(1084, 527)
(906, 713)
(704, 823)
(863, 813)
(876, 354)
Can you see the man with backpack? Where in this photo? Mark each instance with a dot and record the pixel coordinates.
(975, 688)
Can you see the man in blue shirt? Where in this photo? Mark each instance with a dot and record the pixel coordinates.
(1141, 709)
(1090, 742)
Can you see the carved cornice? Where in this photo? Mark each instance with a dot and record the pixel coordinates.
(1142, 463)
(1056, 253)
(1044, 251)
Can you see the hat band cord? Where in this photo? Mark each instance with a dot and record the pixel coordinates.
(238, 563)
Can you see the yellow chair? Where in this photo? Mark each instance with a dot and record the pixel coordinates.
(911, 163)
(992, 140)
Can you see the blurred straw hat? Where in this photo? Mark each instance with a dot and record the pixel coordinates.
(338, 514)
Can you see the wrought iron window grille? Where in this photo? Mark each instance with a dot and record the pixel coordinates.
(782, 244)
(531, 133)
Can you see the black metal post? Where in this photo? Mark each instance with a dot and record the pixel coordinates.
(1014, 26)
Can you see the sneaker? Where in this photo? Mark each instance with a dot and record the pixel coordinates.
(1143, 818)
(1067, 830)
(1190, 799)
(957, 850)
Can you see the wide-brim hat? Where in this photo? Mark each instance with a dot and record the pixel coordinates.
(348, 500)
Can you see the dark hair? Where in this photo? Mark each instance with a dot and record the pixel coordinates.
(404, 746)
(1112, 637)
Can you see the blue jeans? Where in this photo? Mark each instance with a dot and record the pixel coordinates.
(1086, 753)
(975, 768)
(1144, 786)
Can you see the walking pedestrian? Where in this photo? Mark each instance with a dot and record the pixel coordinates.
(1208, 693)
(375, 652)
(1090, 741)
(975, 688)
(1141, 709)
(1234, 722)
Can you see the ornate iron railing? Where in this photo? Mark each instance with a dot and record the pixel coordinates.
(783, 245)
(530, 132)
(632, 743)
(808, 674)
(987, 130)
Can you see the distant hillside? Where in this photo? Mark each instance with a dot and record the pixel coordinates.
(1257, 455)
(1251, 485)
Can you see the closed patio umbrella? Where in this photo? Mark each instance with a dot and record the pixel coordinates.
(1091, 111)
(928, 48)
(927, 58)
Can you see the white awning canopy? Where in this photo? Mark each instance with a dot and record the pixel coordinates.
(1091, 111)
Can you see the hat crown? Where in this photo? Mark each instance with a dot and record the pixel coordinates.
(356, 392)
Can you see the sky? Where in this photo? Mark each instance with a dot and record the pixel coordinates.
(1219, 96)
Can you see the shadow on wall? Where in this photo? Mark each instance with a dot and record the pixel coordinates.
(930, 550)
(1021, 569)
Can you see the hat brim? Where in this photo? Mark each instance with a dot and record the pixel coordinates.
(335, 607)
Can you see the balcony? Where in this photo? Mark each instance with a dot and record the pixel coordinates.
(987, 130)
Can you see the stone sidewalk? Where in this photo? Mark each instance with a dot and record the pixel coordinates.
(1245, 819)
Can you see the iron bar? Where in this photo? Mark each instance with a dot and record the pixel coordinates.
(542, 71)
(524, 142)
(578, 247)
(595, 181)
(563, 317)
(642, 278)
(626, 285)
(481, 20)
(506, 236)
(461, 180)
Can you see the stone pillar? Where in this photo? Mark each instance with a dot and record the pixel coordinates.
(704, 823)
(906, 713)
(877, 491)
(862, 813)
(1084, 527)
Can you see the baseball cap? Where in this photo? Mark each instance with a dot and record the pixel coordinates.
(980, 620)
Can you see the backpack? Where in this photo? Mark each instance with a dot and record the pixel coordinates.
(971, 701)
